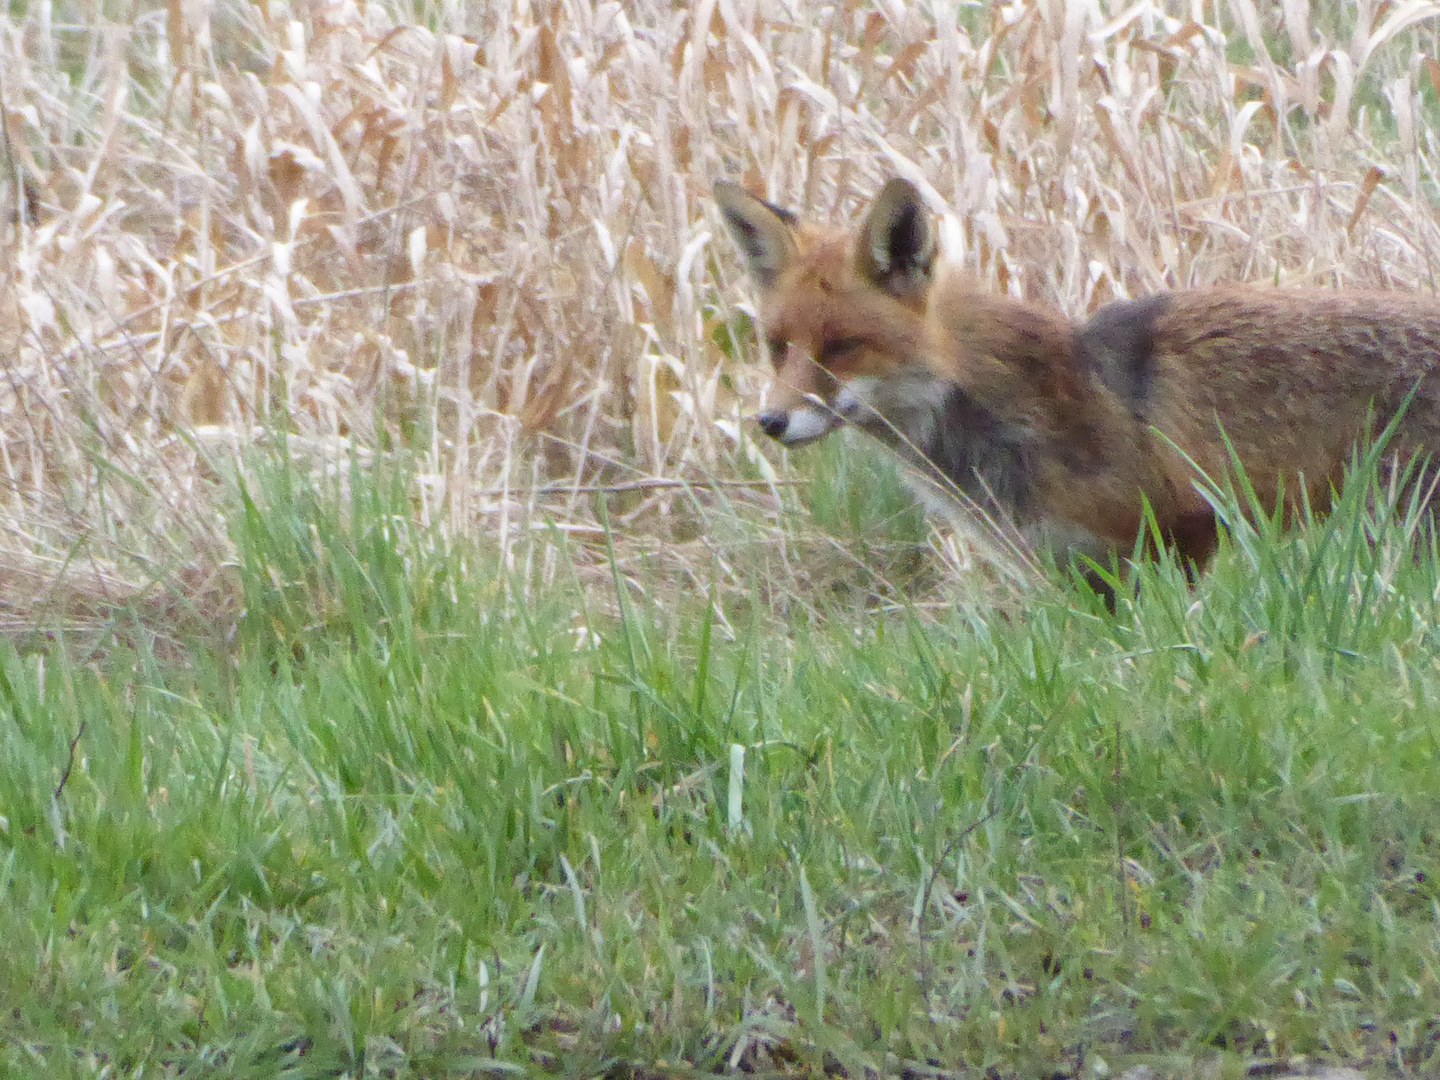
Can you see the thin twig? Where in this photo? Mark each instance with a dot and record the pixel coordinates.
(655, 484)
(70, 764)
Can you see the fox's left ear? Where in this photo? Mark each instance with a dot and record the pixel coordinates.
(763, 231)
(897, 244)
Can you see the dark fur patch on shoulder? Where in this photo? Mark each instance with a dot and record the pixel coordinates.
(1118, 345)
(980, 454)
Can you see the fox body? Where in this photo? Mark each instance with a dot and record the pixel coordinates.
(1065, 429)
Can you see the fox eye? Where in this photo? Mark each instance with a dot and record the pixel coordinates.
(835, 348)
(777, 347)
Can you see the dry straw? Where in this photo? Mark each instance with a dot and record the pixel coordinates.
(484, 234)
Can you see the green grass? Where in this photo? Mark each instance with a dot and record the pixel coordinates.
(405, 823)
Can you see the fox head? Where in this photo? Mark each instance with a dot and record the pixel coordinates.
(843, 314)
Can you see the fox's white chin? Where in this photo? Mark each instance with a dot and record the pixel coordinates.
(806, 424)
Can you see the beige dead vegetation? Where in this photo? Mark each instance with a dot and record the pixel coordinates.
(482, 233)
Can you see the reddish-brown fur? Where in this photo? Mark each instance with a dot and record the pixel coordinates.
(1075, 421)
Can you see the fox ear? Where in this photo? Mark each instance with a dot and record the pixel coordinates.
(897, 243)
(763, 231)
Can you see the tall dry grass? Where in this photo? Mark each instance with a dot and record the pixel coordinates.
(483, 233)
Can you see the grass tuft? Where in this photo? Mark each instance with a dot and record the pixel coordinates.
(418, 819)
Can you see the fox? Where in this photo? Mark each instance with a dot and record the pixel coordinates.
(1070, 430)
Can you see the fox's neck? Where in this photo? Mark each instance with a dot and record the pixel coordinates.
(1018, 360)
(1017, 416)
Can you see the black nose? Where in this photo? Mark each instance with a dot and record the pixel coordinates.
(773, 422)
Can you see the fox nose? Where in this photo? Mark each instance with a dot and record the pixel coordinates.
(773, 422)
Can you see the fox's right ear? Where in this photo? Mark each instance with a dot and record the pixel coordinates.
(897, 242)
(763, 231)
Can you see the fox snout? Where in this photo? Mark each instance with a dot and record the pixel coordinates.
(795, 424)
(800, 425)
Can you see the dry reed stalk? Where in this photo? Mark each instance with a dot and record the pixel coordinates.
(489, 238)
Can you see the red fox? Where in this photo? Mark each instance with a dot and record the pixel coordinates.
(1060, 427)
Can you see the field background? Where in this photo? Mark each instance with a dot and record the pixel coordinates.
(388, 571)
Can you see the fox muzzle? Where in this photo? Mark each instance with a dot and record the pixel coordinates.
(795, 427)
(808, 422)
